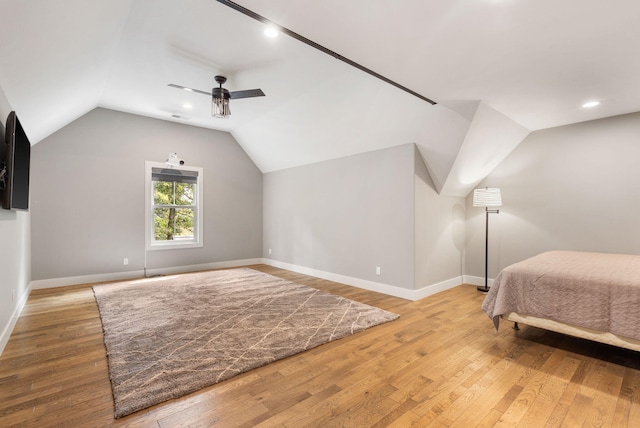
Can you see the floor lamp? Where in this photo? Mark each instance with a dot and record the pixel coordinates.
(487, 197)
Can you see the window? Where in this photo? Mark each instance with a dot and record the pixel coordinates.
(173, 210)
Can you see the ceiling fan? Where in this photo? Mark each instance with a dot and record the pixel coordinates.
(220, 96)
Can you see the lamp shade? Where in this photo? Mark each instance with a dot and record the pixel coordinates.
(487, 197)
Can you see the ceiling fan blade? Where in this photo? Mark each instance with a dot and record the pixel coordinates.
(249, 93)
(189, 89)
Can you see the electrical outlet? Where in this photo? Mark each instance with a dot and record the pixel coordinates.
(269, 250)
(377, 270)
(125, 261)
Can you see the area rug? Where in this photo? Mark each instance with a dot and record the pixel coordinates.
(169, 336)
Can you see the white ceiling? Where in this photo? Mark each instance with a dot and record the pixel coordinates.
(498, 69)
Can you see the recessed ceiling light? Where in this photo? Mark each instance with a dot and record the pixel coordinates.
(271, 32)
(187, 106)
(590, 104)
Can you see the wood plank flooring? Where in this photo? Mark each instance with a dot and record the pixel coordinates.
(440, 364)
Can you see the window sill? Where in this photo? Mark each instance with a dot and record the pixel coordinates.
(174, 246)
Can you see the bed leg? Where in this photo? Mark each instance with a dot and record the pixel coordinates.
(516, 326)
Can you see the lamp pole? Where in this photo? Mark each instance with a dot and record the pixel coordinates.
(487, 197)
(486, 250)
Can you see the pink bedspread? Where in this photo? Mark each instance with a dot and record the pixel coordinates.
(594, 290)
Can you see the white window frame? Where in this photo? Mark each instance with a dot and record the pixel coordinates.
(152, 244)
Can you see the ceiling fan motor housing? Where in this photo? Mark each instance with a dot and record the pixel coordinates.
(220, 93)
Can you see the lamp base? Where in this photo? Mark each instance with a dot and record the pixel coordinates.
(483, 288)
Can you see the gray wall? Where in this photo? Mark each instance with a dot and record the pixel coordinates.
(87, 200)
(345, 216)
(15, 254)
(575, 187)
(439, 231)
(349, 215)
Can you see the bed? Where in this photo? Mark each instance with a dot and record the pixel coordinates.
(594, 296)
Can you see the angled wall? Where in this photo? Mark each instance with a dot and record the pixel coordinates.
(490, 138)
(439, 234)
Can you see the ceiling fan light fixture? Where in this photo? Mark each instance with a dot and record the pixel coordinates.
(220, 103)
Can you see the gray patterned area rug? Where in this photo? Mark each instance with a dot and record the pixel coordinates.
(169, 336)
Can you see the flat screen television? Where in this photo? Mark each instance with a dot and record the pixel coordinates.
(15, 158)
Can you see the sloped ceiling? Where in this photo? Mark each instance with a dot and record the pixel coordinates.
(498, 69)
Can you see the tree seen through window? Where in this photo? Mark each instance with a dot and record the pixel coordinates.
(174, 210)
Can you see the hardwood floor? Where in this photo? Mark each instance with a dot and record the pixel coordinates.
(440, 364)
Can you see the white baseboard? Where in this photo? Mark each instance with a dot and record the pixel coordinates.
(118, 276)
(391, 290)
(8, 329)
(429, 290)
(204, 266)
(84, 279)
(476, 280)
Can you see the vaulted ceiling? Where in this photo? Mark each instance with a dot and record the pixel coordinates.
(497, 69)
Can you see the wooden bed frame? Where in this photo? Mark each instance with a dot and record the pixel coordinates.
(572, 330)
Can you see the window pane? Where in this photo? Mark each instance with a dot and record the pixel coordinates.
(184, 193)
(172, 193)
(174, 224)
(163, 192)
